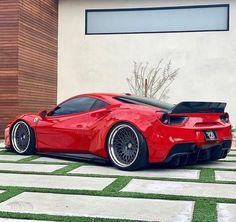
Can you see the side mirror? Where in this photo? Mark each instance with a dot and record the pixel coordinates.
(43, 113)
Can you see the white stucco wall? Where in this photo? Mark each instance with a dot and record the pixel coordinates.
(101, 63)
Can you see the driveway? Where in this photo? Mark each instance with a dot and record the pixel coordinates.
(40, 188)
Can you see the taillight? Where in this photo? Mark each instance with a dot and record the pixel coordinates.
(225, 117)
(171, 120)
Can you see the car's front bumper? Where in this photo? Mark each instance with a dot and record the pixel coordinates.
(189, 153)
(7, 137)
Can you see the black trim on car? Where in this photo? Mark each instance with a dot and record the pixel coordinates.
(86, 157)
(189, 153)
(139, 100)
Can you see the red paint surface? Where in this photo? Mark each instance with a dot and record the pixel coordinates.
(87, 132)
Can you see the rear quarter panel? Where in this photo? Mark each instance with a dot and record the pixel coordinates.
(143, 120)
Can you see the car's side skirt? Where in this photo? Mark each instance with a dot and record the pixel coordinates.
(77, 156)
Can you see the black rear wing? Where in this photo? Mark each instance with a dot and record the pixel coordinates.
(199, 107)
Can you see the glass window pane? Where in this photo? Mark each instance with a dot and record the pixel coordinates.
(99, 104)
(75, 105)
(176, 19)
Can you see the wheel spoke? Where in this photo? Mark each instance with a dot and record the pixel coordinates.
(20, 137)
(123, 145)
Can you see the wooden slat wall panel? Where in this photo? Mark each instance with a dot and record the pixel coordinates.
(28, 57)
(9, 26)
(37, 55)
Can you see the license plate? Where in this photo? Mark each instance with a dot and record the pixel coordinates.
(210, 135)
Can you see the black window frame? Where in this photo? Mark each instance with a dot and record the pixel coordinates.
(50, 114)
(157, 8)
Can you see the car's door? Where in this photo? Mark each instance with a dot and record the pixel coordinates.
(66, 128)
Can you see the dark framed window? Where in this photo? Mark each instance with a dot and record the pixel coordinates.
(157, 20)
(99, 104)
(75, 105)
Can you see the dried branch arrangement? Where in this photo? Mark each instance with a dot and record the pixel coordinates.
(153, 82)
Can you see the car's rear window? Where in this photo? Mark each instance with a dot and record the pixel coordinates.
(139, 100)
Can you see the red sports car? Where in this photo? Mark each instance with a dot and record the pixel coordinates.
(128, 130)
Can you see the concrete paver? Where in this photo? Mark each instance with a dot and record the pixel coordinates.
(226, 212)
(218, 165)
(52, 160)
(225, 175)
(2, 145)
(181, 188)
(232, 152)
(100, 207)
(12, 157)
(167, 173)
(29, 167)
(229, 158)
(57, 182)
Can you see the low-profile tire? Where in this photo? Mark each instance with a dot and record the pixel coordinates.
(127, 148)
(23, 138)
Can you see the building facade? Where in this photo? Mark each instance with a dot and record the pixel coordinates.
(57, 49)
(28, 57)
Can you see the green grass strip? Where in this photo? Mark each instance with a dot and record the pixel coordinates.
(117, 185)
(66, 169)
(205, 211)
(207, 175)
(9, 193)
(27, 159)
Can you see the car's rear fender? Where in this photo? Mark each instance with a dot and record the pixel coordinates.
(141, 121)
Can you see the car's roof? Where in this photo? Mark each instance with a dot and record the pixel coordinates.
(108, 97)
(102, 94)
(114, 98)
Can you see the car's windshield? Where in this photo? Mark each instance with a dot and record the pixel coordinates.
(144, 101)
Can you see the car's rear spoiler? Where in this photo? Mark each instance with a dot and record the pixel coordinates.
(199, 107)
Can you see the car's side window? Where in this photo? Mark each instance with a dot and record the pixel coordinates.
(99, 104)
(75, 105)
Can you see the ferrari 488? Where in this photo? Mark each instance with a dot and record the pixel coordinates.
(129, 131)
